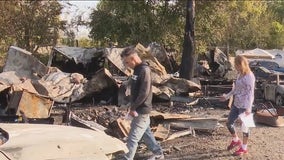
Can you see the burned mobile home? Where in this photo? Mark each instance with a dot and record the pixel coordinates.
(28, 86)
(77, 60)
(90, 61)
(19, 98)
(101, 77)
(74, 74)
(32, 92)
(216, 73)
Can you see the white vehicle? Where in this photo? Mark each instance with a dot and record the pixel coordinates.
(54, 142)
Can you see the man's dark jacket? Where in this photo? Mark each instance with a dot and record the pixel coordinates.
(141, 89)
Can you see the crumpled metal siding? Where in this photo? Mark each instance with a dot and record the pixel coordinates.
(34, 106)
(24, 64)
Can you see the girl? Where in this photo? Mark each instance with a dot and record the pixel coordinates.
(243, 92)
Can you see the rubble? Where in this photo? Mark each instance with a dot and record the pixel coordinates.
(167, 116)
(73, 74)
(121, 127)
(76, 121)
(101, 80)
(24, 64)
(165, 85)
(61, 87)
(205, 124)
(219, 64)
(86, 61)
(164, 57)
(267, 114)
(162, 132)
(178, 134)
(31, 92)
(30, 104)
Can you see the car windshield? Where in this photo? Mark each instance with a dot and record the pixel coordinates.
(266, 64)
(265, 69)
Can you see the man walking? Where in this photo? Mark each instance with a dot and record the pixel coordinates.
(141, 106)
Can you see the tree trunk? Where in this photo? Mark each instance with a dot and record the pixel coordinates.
(27, 39)
(187, 61)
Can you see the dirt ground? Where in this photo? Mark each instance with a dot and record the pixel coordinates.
(266, 143)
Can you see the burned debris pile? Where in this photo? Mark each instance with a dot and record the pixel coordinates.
(89, 87)
(74, 78)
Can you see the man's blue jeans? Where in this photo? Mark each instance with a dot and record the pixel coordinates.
(140, 128)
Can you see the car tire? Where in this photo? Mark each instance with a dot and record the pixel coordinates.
(279, 100)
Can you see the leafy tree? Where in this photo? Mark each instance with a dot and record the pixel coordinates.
(69, 39)
(237, 24)
(130, 22)
(30, 24)
(210, 24)
(276, 39)
(6, 9)
(251, 24)
(86, 43)
(277, 7)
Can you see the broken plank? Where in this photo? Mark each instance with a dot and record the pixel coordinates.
(180, 85)
(101, 80)
(162, 131)
(180, 134)
(121, 127)
(222, 119)
(76, 121)
(113, 56)
(177, 148)
(184, 99)
(169, 115)
(195, 123)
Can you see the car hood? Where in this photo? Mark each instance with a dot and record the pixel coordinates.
(39, 141)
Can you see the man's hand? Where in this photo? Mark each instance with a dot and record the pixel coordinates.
(133, 113)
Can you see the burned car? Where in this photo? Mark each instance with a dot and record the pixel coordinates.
(274, 92)
(269, 82)
(268, 64)
(273, 87)
(39, 141)
(263, 74)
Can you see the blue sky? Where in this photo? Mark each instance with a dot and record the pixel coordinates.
(83, 7)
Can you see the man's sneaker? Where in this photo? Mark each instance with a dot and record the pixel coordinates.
(157, 156)
(234, 144)
(240, 152)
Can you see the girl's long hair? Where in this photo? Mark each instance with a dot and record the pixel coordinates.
(243, 64)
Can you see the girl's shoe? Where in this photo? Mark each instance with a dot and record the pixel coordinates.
(240, 152)
(234, 144)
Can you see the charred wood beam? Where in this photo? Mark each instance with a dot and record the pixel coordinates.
(187, 62)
